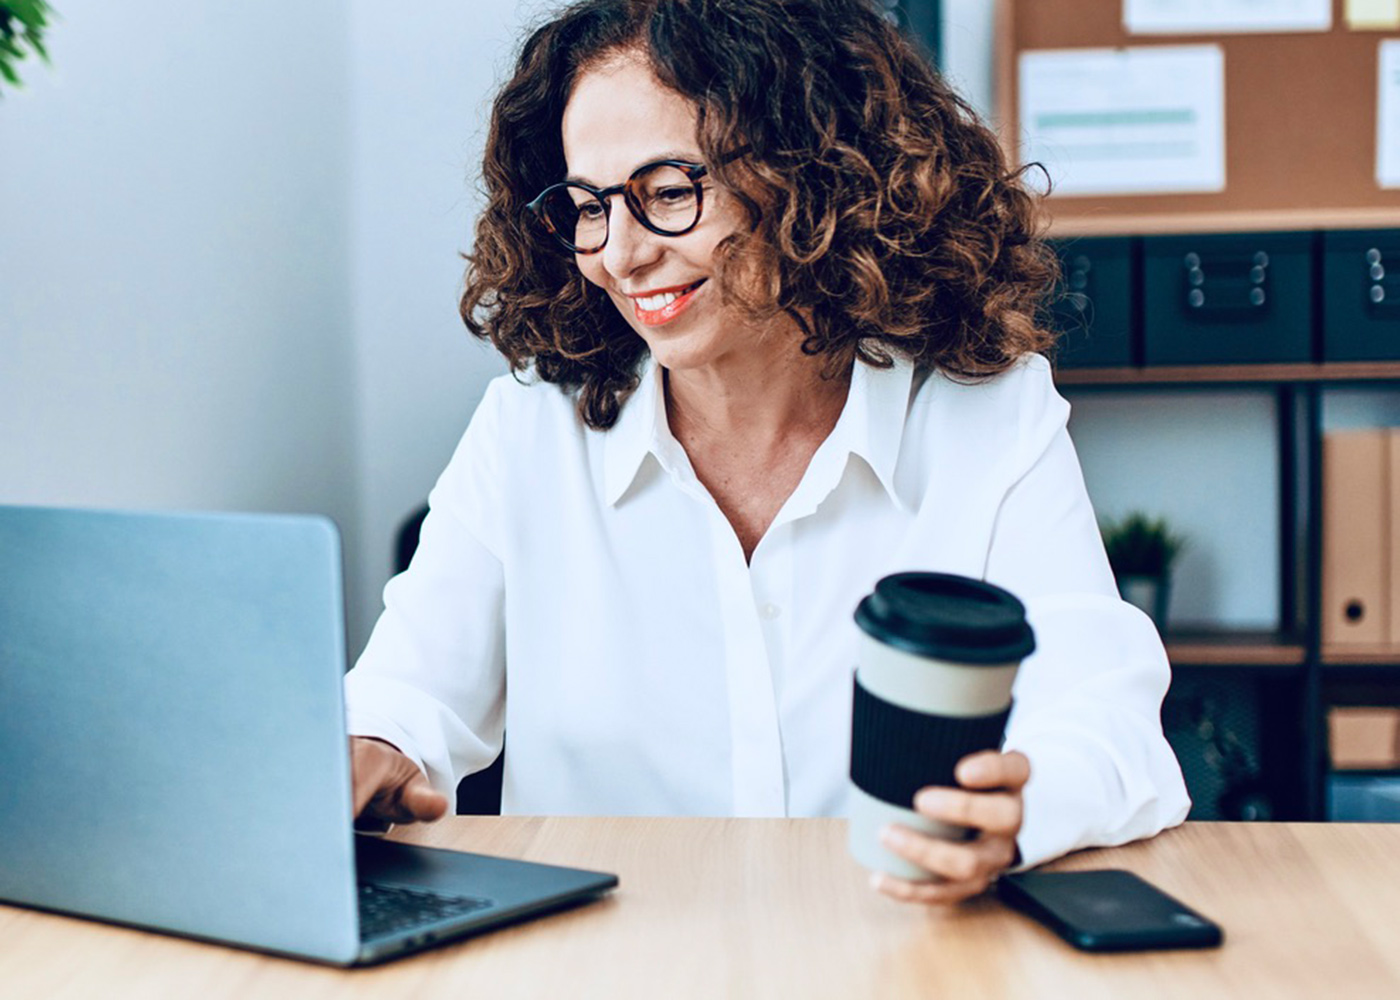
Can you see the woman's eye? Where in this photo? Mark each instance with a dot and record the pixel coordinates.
(672, 195)
(590, 210)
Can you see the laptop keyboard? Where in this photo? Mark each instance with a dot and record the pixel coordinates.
(388, 909)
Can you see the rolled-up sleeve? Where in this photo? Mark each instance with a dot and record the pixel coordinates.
(1088, 701)
(431, 680)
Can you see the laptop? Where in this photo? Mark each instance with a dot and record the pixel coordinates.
(173, 750)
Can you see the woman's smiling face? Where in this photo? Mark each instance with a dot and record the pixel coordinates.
(618, 118)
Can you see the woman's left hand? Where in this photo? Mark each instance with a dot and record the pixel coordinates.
(989, 801)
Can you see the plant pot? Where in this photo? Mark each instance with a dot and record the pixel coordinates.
(1150, 593)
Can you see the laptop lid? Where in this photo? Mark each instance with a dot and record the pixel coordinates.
(172, 750)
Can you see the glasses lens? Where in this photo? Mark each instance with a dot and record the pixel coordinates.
(578, 217)
(668, 198)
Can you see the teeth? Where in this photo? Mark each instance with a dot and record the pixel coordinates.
(651, 303)
(654, 302)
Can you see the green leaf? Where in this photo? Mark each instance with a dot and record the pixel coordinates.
(21, 32)
(29, 11)
(32, 15)
(22, 25)
(1139, 545)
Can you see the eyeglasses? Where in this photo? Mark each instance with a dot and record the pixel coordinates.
(665, 197)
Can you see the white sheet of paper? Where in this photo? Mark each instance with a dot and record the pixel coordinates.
(1136, 120)
(1388, 115)
(1183, 17)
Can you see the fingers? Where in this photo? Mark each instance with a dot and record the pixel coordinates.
(995, 813)
(964, 866)
(990, 769)
(407, 799)
(389, 786)
(988, 803)
(366, 769)
(926, 893)
(990, 799)
(421, 802)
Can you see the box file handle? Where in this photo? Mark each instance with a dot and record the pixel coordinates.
(1380, 285)
(1078, 280)
(1226, 286)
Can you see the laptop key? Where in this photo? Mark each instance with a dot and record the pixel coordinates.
(388, 909)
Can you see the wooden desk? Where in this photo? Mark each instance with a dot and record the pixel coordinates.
(774, 908)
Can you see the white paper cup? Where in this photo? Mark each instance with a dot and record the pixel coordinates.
(938, 658)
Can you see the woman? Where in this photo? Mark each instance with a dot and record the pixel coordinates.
(770, 290)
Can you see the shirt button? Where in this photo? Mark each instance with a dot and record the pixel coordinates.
(769, 611)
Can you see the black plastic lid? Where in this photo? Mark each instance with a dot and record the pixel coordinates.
(947, 617)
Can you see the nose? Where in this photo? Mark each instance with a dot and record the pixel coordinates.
(631, 246)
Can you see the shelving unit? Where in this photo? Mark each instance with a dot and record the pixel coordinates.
(1298, 677)
(1236, 648)
(1216, 375)
(1323, 135)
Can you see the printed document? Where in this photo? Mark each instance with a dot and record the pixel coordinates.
(1136, 120)
(1388, 115)
(1189, 17)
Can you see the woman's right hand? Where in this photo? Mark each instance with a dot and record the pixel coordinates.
(389, 788)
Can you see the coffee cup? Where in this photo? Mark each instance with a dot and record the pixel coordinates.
(938, 656)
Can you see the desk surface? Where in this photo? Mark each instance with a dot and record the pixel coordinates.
(774, 908)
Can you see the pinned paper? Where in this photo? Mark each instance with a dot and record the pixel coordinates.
(1388, 116)
(1372, 15)
(1183, 17)
(1148, 119)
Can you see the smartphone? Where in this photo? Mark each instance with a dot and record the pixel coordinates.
(1108, 910)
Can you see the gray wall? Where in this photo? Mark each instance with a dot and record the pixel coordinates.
(229, 241)
(173, 307)
(420, 88)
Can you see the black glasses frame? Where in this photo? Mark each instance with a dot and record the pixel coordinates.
(694, 171)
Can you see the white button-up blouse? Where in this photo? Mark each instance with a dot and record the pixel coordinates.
(583, 591)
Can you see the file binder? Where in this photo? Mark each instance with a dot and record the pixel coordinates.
(1356, 557)
(1392, 539)
(1364, 738)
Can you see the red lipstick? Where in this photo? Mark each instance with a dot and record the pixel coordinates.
(668, 312)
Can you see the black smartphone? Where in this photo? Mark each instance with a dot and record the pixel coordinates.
(1108, 910)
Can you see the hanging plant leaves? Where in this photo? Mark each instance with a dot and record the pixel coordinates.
(22, 27)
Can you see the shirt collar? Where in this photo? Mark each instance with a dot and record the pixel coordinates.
(636, 434)
(871, 426)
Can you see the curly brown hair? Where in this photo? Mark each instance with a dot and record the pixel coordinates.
(883, 216)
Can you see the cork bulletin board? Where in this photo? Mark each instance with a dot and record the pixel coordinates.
(1300, 124)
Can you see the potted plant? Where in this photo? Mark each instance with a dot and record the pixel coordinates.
(1141, 550)
(22, 26)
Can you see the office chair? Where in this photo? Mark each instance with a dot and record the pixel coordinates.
(478, 794)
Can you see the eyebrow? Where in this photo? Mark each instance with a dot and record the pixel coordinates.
(689, 156)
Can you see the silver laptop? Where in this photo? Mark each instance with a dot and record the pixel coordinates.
(173, 751)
